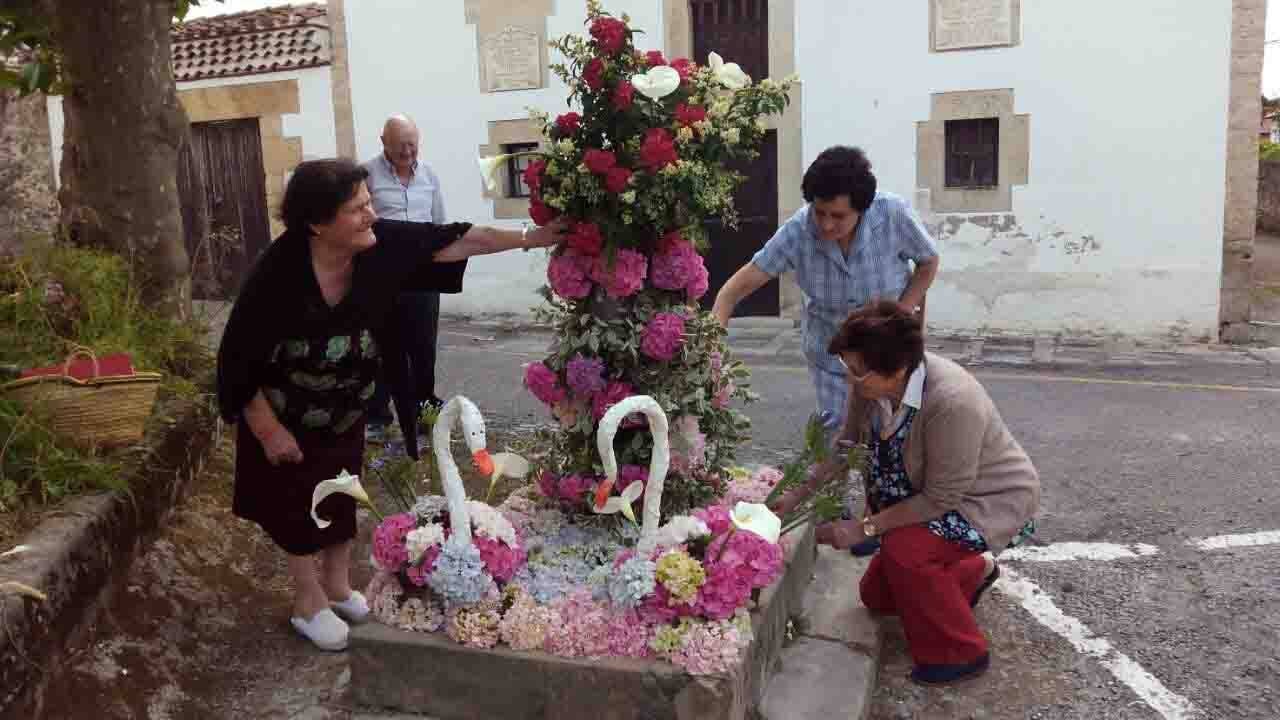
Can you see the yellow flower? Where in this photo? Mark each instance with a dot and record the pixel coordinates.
(684, 134)
(681, 575)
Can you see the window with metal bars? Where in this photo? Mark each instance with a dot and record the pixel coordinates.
(973, 153)
(516, 186)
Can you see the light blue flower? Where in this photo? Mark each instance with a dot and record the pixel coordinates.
(459, 576)
(632, 582)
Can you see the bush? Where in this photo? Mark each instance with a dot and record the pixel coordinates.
(53, 299)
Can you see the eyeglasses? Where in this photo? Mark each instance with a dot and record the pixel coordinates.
(853, 375)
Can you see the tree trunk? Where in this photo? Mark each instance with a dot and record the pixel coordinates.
(124, 130)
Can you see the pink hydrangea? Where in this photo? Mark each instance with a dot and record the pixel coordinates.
(628, 635)
(501, 560)
(419, 572)
(567, 273)
(674, 266)
(688, 444)
(735, 564)
(585, 375)
(723, 396)
(548, 485)
(526, 624)
(582, 629)
(700, 282)
(663, 336)
(659, 608)
(573, 488)
(388, 541)
(586, 238)
(625, 277)
(628, 474)
(613, 393)
(716, 517)
(543, 382)
(710, 648)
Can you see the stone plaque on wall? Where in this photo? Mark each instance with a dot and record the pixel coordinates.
(511, 59)
(967, 24)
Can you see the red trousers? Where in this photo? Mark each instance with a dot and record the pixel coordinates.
(928, 581)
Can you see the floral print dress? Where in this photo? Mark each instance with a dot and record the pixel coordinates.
(321, 383)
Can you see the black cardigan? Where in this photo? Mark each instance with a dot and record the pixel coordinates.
(281, 295)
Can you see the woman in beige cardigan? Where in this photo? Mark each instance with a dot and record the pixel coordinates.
(947, 487)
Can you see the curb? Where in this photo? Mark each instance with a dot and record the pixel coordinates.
(832, 668)
(78, 554)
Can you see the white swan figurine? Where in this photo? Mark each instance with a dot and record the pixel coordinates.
(658, 464)
(459, 409)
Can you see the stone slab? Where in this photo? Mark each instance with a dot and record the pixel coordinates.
(409, 672)
(832, 607)
(820, 680)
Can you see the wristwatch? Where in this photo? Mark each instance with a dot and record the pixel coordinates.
(524, 237)
(869, 528)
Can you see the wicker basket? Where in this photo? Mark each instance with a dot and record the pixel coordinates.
(101, 412)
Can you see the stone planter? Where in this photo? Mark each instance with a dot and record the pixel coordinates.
(432, 675)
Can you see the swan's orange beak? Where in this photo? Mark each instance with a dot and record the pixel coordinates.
(482, 461)
(603, 490)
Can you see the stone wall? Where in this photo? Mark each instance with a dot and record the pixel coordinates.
(1269, 196)
(28, 202)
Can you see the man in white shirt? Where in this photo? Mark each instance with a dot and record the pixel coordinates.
(402, 188)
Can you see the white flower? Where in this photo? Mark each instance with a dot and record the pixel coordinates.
(345, 484)
(629, 197)
(732, 136)
(420, 540)
(565, 146)
(705, 127)
(762, 123)
(720, 107)
(680, 529)
(727, 74)
(658, 83)
(491, 523)
(684, 134)
(757, 518)
(489, 170)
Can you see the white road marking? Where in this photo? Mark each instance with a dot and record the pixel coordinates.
(1167, 703)
(1065, 551)
(1225, 542)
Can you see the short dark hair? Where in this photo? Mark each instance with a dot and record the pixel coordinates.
(316, 191)
(884, 335)
(841, 170)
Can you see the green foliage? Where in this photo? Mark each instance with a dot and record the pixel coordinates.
(23, 29)
(1268, 151)
(826, 476)
(52, 300)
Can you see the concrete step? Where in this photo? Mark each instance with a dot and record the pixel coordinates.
(830, 670)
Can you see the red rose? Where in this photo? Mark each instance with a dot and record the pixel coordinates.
(541, 213)
(593, 75)
(617, 179)
(684, 66)
(655, 58)
(658, 150)
(689, 114)
(610, 34)
(622, 95)
(599, 162)
(533, 175)
(569, 123)
(586, 238)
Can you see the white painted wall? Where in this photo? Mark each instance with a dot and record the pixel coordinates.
(406, 58)
(1128, 105)
(314, 123)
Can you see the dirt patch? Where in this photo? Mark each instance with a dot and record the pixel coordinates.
(200, 629)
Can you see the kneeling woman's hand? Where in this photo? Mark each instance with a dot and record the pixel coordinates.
(840, 534)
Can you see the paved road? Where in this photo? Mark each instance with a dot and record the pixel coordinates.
(1155, 456)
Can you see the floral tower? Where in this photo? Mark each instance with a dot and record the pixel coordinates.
(634, 175)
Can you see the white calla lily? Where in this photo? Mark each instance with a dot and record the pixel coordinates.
(729, 75)
(15, 550)
(622, 503)
(17, 588)
(658, 83)
(757, 518)
(344, 484)
(506, 464)
(489, 170)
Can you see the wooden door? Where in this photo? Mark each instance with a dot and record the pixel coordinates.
(739, 31)
(220, 177)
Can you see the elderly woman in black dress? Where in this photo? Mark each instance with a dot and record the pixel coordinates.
(298, 359)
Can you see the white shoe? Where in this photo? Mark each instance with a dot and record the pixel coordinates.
(326, 630)
(355, 609)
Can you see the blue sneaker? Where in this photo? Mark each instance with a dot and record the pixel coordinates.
(866, 548)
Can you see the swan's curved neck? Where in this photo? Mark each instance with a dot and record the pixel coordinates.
(450, 476)
(659, 461)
